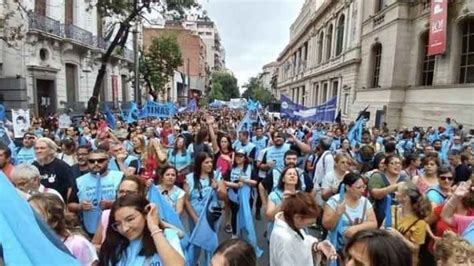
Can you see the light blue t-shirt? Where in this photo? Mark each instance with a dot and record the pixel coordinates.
(25, 155)
(435, 195)
(172, 196)
(468, 233)
(179, 160)
(94, 189)
(235, 174)
(131, 257)
(197, 197)
(350, 216)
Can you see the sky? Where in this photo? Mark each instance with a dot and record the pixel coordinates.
(253, 32)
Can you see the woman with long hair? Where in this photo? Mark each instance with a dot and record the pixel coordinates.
(410, 165)
(333, 178)
(180, 158)
(384, 184)
(234, 252)
(408, 218)
(136, 236)
(240, 175)
(376, 248)
(68, 151)
(152, 159)
(172, 193)
(138, 145)
(289, 243)
(52, 209)
(431, 163)
(346, 148)
(128, 185)
(198, 186)
(289, 183)
(351, 209)
(224, 153)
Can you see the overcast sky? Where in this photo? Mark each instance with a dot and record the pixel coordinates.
(253, 32)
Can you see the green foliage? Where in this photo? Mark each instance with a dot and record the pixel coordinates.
(157, 64)
(125, 7)
(224, 86)
(256, 91)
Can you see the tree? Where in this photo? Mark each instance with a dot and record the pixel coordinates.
(256, 91)
(157, 64)
(227, 85)
(128, 13)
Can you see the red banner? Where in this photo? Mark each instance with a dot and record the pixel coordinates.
(438, 27)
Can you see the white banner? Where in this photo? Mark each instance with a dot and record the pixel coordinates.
(64, 121)
(21, 122)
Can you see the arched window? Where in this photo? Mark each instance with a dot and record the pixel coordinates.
(466, 74)
(428, 63)
(340, 35)
(329, 42)
(320, 47)
(376, 62)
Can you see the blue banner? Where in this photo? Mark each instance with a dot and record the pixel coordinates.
(150, 110)
(325, 112)
(2, 112)
(109, 117)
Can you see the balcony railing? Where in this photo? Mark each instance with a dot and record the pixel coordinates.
(78, 34)
(72, 32)
(45, 24)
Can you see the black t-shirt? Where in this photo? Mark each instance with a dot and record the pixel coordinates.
(462, 173)
(56, 175)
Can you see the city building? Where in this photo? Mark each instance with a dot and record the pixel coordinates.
(266, 77)
(55, 64)
(322, 58)
(399, 82)
(374, 54)
(194, 74)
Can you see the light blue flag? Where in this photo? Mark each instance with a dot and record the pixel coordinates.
(168, 214)
(245, 124)
(335, 237)
(25, 240)
(2, 112)
(109, 117)
(133, 113)
(388, 211)
(245, 226)
(443, 153)
(204, 234)
(355, 133)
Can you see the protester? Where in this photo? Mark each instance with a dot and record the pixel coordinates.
(234, 252)
(173, 194)
(68, 152)
(331, 181)
(439, 193)
(53, 210)
(26, 154)
(5, 161)
(26, 178)
(121, 161)
(348, 212)
(54, 173)
(180, 158)
(431, 163)
(453, 250)
(377, 247)
(289, 243)
(136, 236)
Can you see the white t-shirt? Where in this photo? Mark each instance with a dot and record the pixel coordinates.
(330, 180)
(287, 247)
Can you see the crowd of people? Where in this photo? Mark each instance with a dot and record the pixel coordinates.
(388, 197)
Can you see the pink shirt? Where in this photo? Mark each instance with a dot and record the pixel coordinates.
(104, 220)
(461, 222)
(81, 249)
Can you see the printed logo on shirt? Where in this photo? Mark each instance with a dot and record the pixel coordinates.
(51, 178)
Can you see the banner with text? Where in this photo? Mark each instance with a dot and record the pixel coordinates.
(325, 112)
(438, 27)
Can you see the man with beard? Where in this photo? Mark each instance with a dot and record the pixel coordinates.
(55, 173)
(26, 154)
(96, 190)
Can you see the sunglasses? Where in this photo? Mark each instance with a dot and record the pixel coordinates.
(93, 161)
(443, 177)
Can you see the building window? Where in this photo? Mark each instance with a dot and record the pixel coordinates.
(324, 98)
(379, 5)
(345, 109)
(329, 42)
(303, 99)
(71, 83)
(427, 71)
(377, 59)
(340, 35)
(316, 93)
(320, 47)
(467, 53)
(335, 88)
